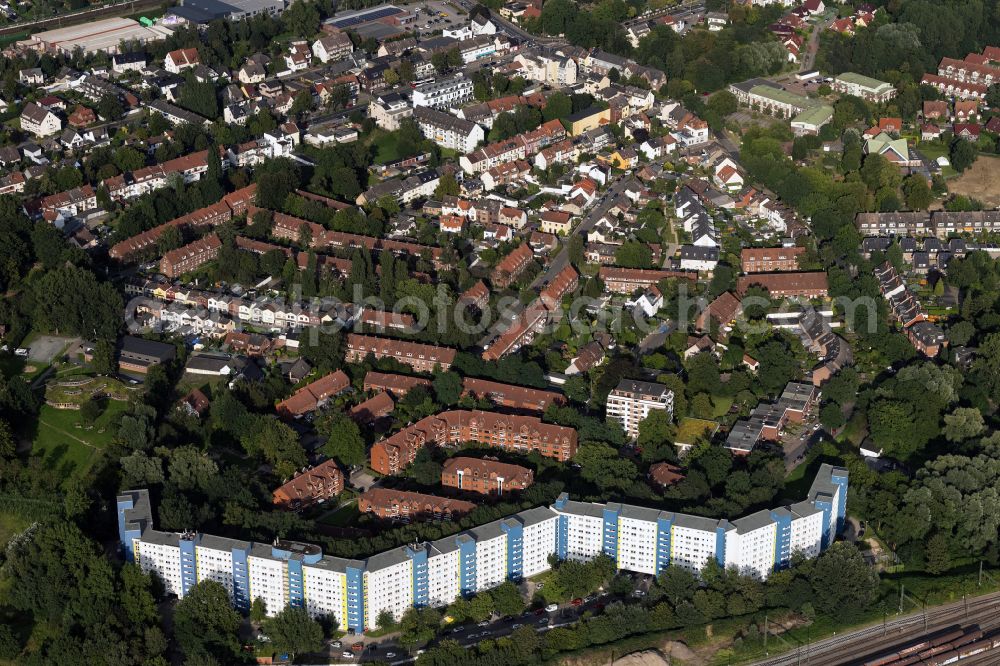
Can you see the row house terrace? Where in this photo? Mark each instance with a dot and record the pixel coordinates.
(232, 204)
(289, 228)
(69, 203)
(420, 357)
(510, 267)
(521, 332)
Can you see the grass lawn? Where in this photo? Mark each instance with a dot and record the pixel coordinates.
(341, 516)
(934, 150)
(11, 524)
(690, 429)
(386, 148)
(70, 449)
(721, 405)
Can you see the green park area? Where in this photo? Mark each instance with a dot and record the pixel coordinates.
(66, 443)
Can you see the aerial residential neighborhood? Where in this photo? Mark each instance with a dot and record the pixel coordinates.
(537, 331)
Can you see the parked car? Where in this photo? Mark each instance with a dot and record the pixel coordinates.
(347, 655)
(551, 608)
(577, 602)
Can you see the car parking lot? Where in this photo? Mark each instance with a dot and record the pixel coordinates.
(436, 16)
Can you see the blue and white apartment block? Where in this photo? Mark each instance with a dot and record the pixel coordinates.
(435, 573)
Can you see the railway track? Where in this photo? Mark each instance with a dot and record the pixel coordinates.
(855, 646)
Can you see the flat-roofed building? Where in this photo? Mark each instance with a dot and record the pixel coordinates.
(632, 400)
(865, 87)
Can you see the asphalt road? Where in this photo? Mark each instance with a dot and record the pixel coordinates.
(871, 641)
(466, 635)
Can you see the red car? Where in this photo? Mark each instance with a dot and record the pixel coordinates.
(577, 602)
(540, 611)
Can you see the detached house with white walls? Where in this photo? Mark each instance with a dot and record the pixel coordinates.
(40, 122)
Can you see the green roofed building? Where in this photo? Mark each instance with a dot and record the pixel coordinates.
(810, 120)
(865, 87)
(768, 97)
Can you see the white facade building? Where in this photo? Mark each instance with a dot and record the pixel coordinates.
(632, 401)
(443, 94)
(355, 592)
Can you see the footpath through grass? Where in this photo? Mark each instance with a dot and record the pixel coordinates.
(69, 449)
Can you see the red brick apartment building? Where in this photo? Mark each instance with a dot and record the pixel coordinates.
(372, 409)
(312, 396)
(563, 283)
(452, 428)
(403, 506)
(627, 280)
(770, 259)
(231, 205)
(191, 256)
(478, 296)
(808, 285)
(507, 270)
(509, 395)
(398, 385)
(420, 357)
(487, 477)
(322, 482)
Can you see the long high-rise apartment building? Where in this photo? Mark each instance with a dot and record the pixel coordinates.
(435, 573)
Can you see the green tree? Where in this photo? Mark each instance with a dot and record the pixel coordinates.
(8, 445)
(916, 192)
(633, 254)
(602, 465)
(656, 436)
(258, 610)
(104, 358)
(938, 554)
(481, 607)
(191, 469)
(844, 586)
(205, 624)
(137, 596)
(447, 186)
(447, 387)
(385, 620)
(277, 443)
(963, 423)
(344, 442)
(110, 107)
(293, 631)
(962, 154)
(418, 626)
(831, 416)
(90, 411)
(302, 18)
(507, 600)
(170, 239)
